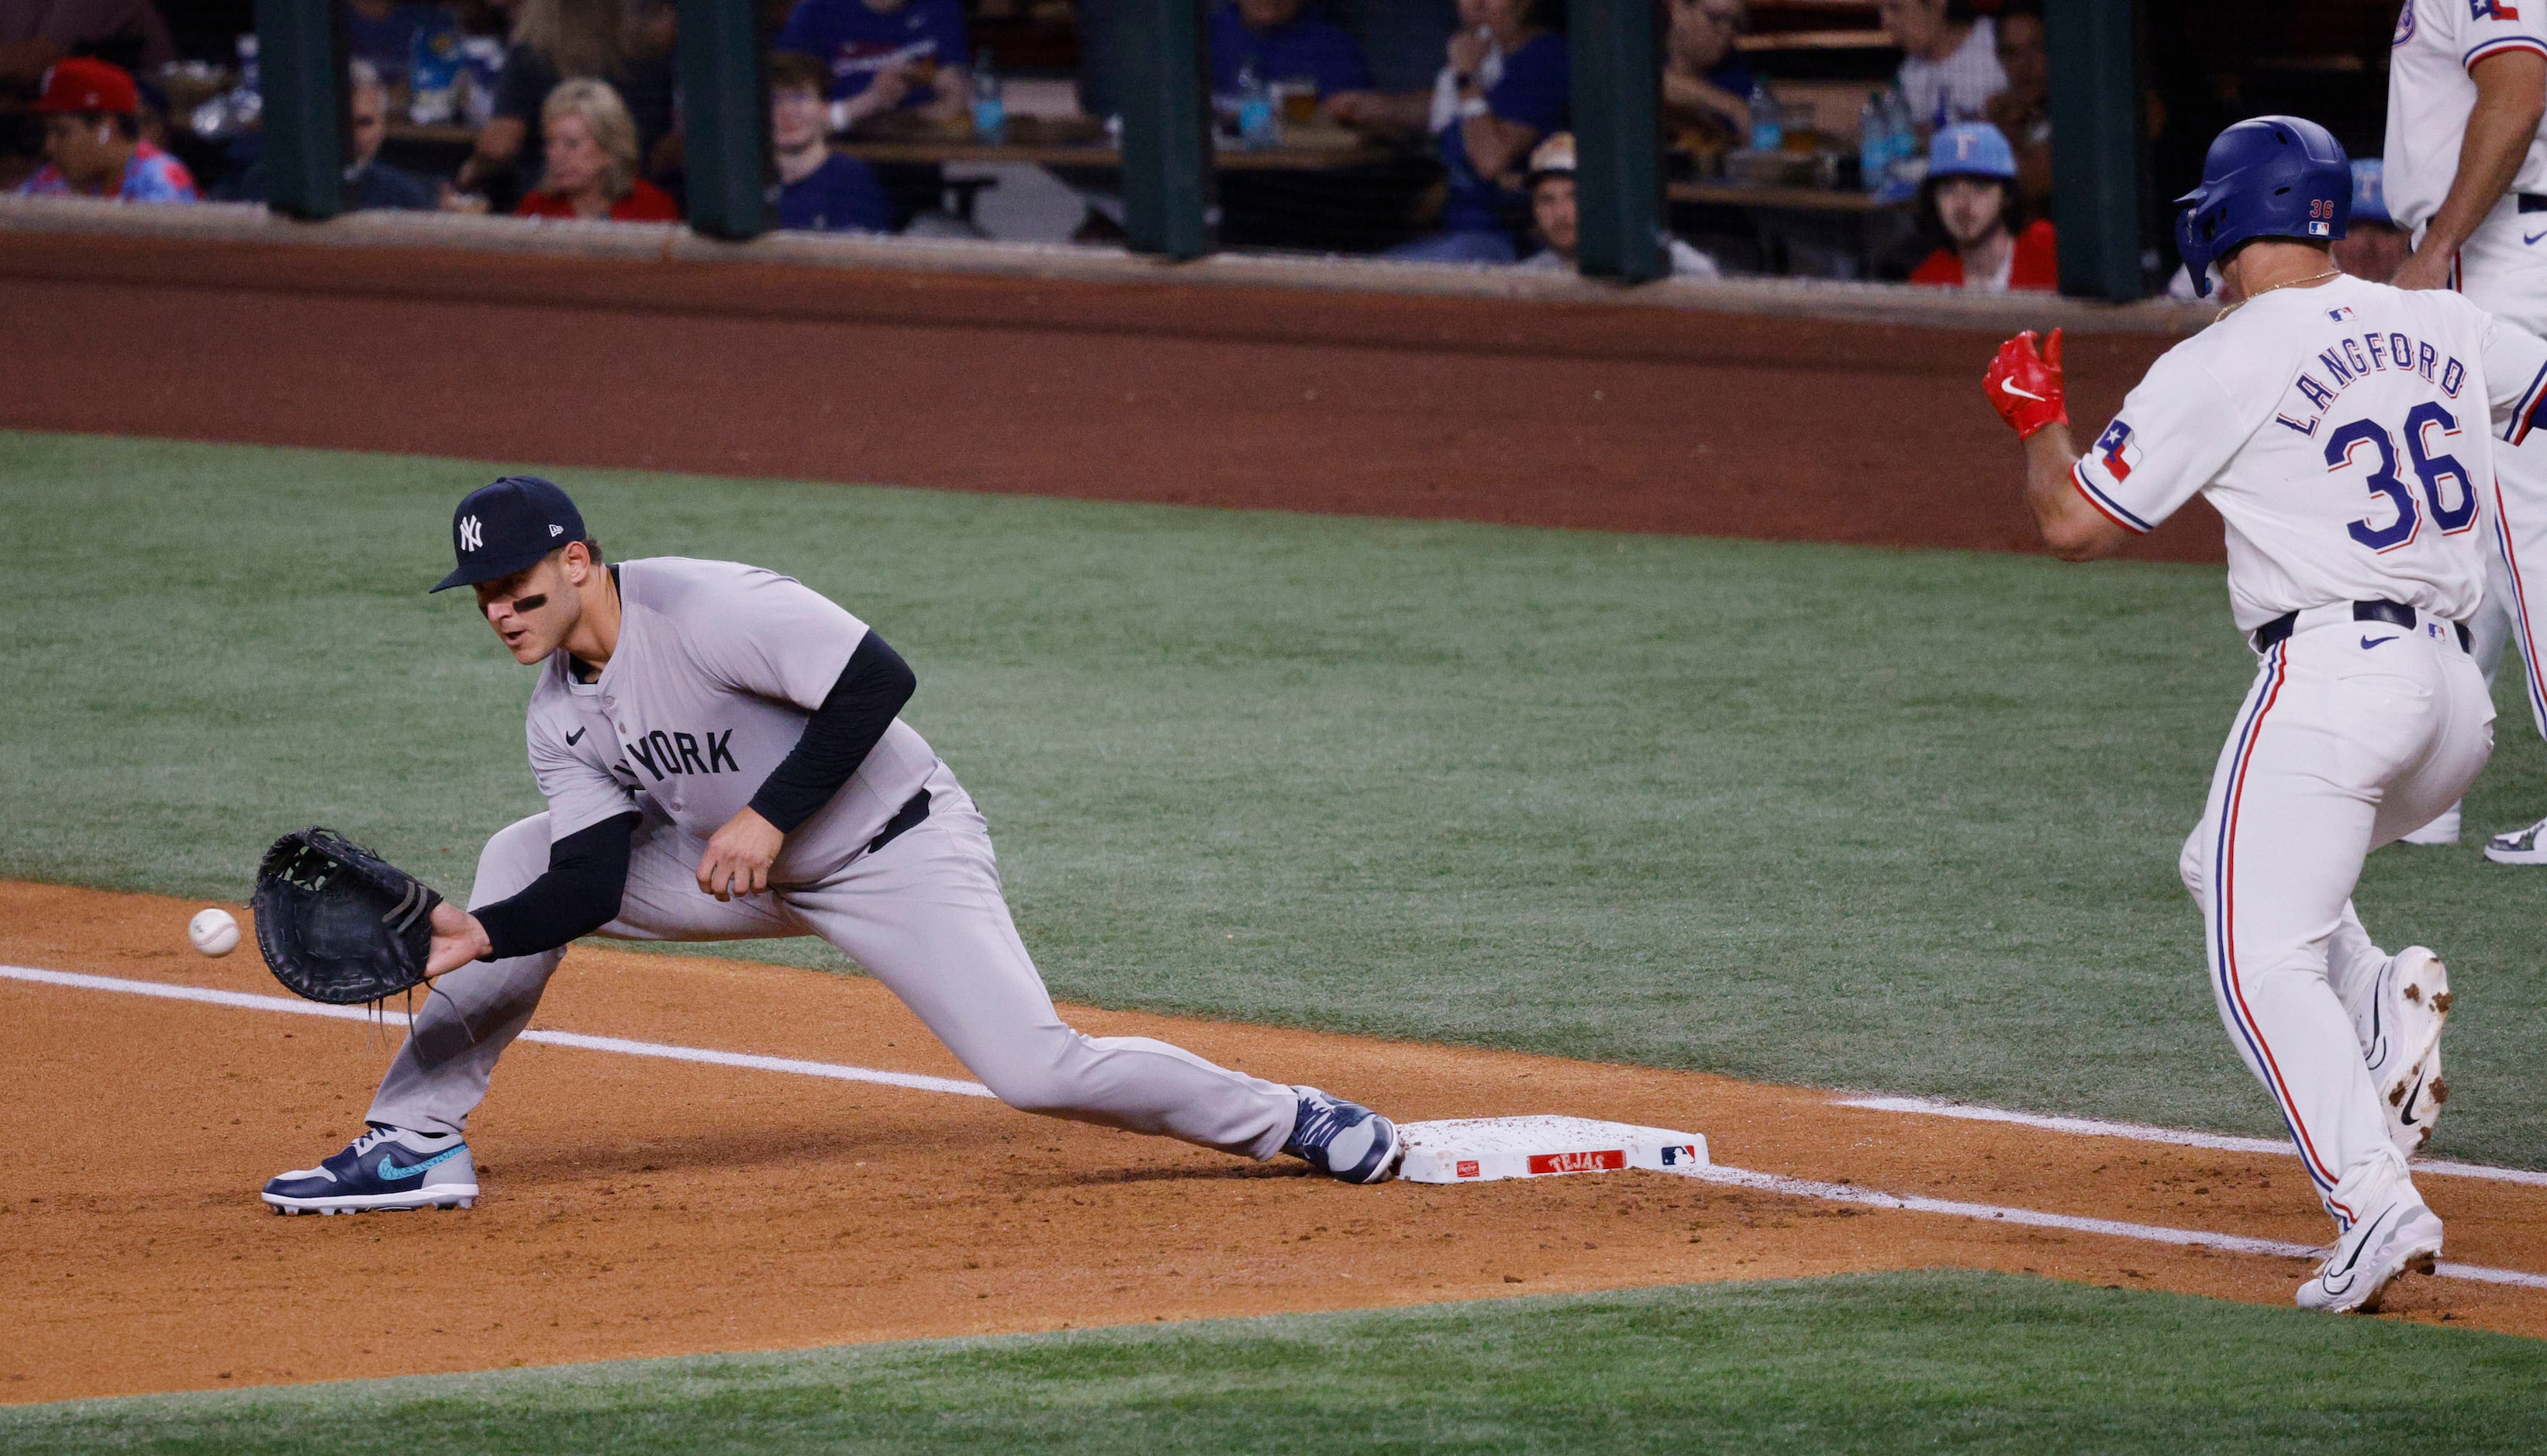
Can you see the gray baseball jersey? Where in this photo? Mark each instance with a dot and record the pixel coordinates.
(717, 666)
(716, 669)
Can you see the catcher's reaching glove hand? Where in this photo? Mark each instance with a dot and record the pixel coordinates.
(337, 923)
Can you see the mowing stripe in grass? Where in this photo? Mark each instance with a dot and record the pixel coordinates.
(1741, 1177)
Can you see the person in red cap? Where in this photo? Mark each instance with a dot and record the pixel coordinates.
(93, 144)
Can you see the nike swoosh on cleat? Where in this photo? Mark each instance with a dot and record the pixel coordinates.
(2532, 237)
(2367, 644)
(2010, 387)
(571, 737)
(389, 1168)
(2405, 1109)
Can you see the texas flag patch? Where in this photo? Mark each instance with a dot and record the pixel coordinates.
(2118, 451)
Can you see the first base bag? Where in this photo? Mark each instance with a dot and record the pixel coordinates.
(339, 924)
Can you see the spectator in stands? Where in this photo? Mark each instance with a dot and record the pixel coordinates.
(93, 144)
(1279, 40)
(886, 55)
(383, 33)
(625, 42)
(1951, 69)
(1505, 86)
(1706, 84)
(818, 189)
(371, 183)
(2023, 111)
(1970, 198)
(34, 34)
(1556, 220)
(890, 59)
(2373, 246)
(591, 172)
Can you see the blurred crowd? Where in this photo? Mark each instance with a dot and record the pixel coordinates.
(568, 109)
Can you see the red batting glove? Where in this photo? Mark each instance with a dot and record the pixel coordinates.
(2025, 387)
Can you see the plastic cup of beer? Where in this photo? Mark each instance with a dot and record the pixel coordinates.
(1297, 97)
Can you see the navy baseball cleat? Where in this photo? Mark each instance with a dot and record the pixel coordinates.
(385, 1168)
(1344, 1139)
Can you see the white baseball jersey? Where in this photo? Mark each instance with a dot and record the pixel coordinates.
(2430, 94)
(718, 667)
(2342, 431)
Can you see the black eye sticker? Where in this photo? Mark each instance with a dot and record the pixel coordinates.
(530, 603)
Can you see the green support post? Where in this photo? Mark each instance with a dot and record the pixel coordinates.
(723, 66)
(2096, 147)
(1618, 139)
(301, 60)
(1167, 125)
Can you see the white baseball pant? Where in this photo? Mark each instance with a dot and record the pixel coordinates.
(2507, 276)
(2355, 734)
(924, 914)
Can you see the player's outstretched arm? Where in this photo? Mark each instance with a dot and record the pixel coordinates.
(2027, 390)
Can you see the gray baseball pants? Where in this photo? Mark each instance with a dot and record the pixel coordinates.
(924, 914)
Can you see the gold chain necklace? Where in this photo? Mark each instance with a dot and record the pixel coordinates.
(2290, 283)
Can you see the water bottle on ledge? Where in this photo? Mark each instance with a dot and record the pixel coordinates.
(1766, 132)
(990, 108)
(1258, 126)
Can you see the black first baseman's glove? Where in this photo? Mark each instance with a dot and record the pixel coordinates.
(337, 923)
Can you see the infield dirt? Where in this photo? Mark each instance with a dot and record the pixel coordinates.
(640, 1207)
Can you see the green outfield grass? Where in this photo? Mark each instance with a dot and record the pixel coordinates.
(1884, 1363)
(1902, 820)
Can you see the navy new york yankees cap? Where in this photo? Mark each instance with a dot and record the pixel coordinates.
(507, 526)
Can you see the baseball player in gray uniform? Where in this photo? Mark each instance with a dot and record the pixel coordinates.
(722, 760)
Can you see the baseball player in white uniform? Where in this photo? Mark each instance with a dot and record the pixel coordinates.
(2465, 173)
(2341, 428)
(722, 758)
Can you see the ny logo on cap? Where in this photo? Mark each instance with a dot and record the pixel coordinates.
(473, 532)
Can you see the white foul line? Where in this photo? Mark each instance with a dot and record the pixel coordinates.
(293, 1007)
(2140, 1132)
(1776, 1183)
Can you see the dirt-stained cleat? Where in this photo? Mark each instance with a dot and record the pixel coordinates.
(2402, 1237)
(382, 1169)
(1344, 1139)
(2399, 1026)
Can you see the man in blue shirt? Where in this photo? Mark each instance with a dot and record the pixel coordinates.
(885, 55)
(1280, 40)
(818, 189)
(1505, 87)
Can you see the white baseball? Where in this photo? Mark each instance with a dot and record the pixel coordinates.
(214, 932)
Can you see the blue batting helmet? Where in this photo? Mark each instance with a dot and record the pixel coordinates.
(2269, 177)
(1971, 150)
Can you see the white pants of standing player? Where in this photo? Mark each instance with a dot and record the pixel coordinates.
(923, 916)
(2355, 734)
(2507, 277)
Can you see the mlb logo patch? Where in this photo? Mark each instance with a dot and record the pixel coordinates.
(2320, 229)
(2339, 314)
(2118, 451)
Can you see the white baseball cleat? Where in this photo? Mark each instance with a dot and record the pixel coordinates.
(2399, 1026)
(2527, 845)
(2443, 830)
(2402, 1237)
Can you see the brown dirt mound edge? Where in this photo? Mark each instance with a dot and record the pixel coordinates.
(639, 1207)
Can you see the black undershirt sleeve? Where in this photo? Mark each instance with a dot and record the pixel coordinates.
(587, 873)
(838, 736)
